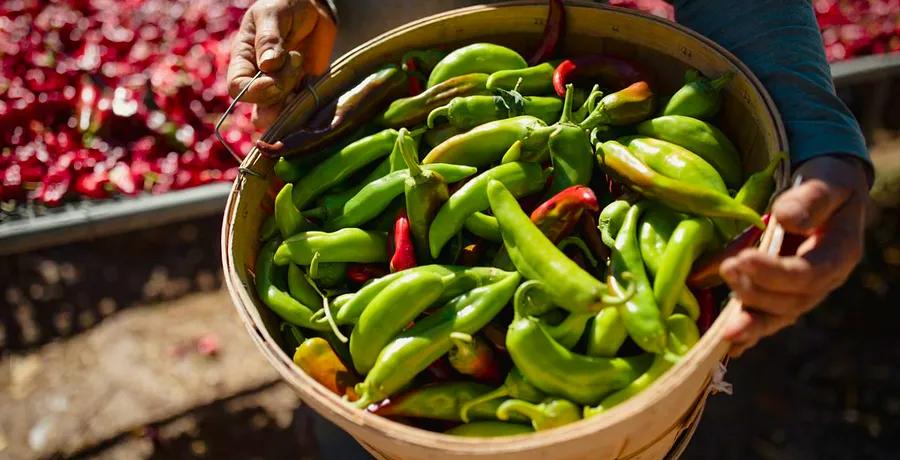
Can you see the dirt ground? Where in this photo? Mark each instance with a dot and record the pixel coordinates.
(129, 348)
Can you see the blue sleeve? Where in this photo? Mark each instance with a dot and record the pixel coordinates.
(779, 40)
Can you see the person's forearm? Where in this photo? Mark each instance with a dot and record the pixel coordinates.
(780, 42)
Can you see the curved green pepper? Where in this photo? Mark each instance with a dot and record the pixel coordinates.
(570, 150)
(487, 143)
(377, 195)
(531, 81)
(688, 241)
(332, 204)
(334, 169)
(391, 310)
(345, 245)
(280, 302)
(300, 288)
(556, 370)
(411, 111)
(610, 221)
(514, 386)
(699, 97)
(620, 162)
(569, 331)
(520, 177)
(466, 279)
(469, 112)
(676, 162)
(475, 58)
(606, 334)
(657, 226)
(549, 414)
(537, 258)
(489, 429)
(287, 217)
(484, 226)
(640, 314)
(415, 349)
(683, 335)
(442, 401)
(757, 191)
(701, 138)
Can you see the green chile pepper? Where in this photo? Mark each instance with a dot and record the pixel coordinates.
(411, 111)
(472, 356)
(537, 258)
(549, 414)
(569, 331)
(624, 107)
(514, 386)
(676, 162)
(475, 58)
(466, 279)
(531, 81)
(699, 97)
(558, 371)
(469, 112)
(570, 150)
(701, 138)
(376, 196)
(484, 226)
(332, 204)
(391, 310)
(268, 228)
(688, 241)
(620, 162)
(657, 226)
(300, 288)
(640, 313)
(437, 135)
(442, 401)
(287, 217)
(683, 335)
(329, 274)
(489, 429)
(487, 143)
(520, 177)
(345, 245)
(429, 339)
(268, 290)
(606, 334)
(341, 165)
(425, 191)
(756, 192)
(611, 219)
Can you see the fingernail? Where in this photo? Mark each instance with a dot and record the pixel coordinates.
(267, 56)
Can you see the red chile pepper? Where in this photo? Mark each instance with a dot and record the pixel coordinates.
(553, 29)
(613, 73)
(361, 273)
(708, 312)
(473, 356)
(353, 108)
(414, 85)
(557, 216)
(705, 271)
(404, 252)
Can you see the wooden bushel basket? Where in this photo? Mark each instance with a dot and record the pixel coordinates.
(654, 424)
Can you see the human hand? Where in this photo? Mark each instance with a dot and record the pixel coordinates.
(286, 39)
(828, 208)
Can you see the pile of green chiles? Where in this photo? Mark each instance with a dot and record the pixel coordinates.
(460, 246)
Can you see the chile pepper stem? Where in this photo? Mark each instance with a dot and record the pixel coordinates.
(418, 131)
(326, 306)
(408, 156)
(623, 295)
(460, 339)
(518, 84)
(582, 246)
(724, 79)
(567, 104)
(438, 112)
(593, 97)
(597, 116)
(525, 408)
(520, 297)
(489, 396)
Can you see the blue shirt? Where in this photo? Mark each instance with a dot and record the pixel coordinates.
(778, 40)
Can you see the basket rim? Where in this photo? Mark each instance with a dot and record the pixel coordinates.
(711, 343)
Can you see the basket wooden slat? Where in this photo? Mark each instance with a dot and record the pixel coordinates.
(645, 426)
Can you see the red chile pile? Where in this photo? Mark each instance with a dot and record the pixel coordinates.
(114, 97)
(852, 28)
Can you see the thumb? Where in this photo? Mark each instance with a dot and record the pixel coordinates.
(804, 208)
(269, 44)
